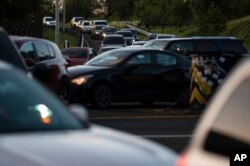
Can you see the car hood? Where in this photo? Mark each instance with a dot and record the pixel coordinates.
(84, 69)
(96, 146)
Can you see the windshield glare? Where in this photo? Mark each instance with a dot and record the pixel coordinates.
(109, 58)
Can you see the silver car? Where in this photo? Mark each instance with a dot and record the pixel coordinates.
(37, 130)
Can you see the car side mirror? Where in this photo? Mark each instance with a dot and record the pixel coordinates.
(80, 113)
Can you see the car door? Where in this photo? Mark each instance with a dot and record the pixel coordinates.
(166, 77)
(137, 78)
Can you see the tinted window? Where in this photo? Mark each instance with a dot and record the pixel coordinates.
(165, 59)
(101, 23)
(201, 46)
(142, 58)
(86, 23)
(44, 51)
(24, 106)
(233, 46)
(126, 34)
(27, 51)
(182, 47)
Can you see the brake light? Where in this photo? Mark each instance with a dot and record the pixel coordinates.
(182, 160)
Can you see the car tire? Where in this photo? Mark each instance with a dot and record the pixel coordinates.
(102, 96)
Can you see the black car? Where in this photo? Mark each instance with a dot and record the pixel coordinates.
(135, 75)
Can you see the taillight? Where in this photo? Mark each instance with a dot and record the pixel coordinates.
(182, 160)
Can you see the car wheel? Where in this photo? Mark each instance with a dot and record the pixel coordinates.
(102, 96)
(64, 93)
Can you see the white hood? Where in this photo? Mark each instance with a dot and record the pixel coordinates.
(96, 146)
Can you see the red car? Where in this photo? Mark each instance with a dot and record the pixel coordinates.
(78, 55)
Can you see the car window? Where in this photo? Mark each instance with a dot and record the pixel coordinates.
(44, 51)
(140, 59)
(182, 47)
(27, 51)
(233, 46)
(25, 106)
(155, 44)
(165, 59)
(201, 46)
(113, 40)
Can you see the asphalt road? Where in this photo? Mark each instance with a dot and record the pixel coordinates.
(169, 126)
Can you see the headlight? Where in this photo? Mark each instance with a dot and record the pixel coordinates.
(81, 80)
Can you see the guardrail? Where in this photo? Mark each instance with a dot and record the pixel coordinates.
(138, 29)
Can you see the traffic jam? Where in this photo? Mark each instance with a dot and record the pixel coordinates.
(122, 95)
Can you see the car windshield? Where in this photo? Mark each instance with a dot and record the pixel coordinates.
(25, 106)
(110, 58)
(109, 30)
(155, 44)
(50, 19)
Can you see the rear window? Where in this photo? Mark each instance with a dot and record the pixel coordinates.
(101, 23)
(233, 46)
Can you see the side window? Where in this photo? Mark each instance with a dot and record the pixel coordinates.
(27, 51)
(44, 51)
(205, 47)
(165, 59)
(140, 59)
(182, 48)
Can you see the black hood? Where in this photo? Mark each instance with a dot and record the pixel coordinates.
(84, 69)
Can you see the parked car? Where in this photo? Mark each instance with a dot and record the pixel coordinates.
(74, 20)
(49, 21)
(135, 75)
(151, 36)
(224, 127)
(38, 130)
(96, 31)
(127, 35)
(131, 30)
(94, 23)
(52, 65)
(78, 55)
(107, 30)
(84, 27)
(113, 40)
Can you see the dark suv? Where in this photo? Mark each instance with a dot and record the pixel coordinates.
(212, 58)
(198, 45)
(46, 62)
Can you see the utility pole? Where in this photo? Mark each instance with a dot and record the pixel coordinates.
(64, 3)
(57, 40)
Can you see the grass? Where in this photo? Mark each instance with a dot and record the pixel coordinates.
(49, 34)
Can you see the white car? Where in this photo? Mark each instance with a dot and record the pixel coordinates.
(49, 21)
(225, 125)
(37, 130)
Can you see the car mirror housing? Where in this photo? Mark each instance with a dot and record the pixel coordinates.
(80, 113)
